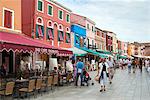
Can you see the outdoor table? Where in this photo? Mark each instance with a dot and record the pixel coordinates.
(22, 80)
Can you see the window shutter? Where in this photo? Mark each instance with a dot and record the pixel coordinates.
(7, 19)
(49, 10)
(40, 5)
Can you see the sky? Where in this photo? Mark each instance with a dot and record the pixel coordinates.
(129, 19)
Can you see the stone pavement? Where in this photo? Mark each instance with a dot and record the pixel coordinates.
(124, 87)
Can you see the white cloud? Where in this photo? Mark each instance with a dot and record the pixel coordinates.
(129, 19)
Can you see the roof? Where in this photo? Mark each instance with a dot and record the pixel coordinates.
(85, 18)
(61, 5)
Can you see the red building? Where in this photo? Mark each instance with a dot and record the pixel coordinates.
(119, 46)
(109, 40)
(47, 21)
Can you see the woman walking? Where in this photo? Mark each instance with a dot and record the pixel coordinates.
(103, 74)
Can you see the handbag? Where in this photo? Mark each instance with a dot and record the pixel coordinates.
(96, 78)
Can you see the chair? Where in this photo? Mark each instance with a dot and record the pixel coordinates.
(38, 85)
(50, 81)
(30, 88)
(8, 89)
(55, 80)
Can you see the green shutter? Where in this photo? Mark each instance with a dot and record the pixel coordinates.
(60, 14)
(58, 35)
(47, 37)
(40, 5)
(50, 10)
(67, 18)
(37, 34)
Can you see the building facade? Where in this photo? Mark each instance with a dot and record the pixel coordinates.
(109, 41)
(90, 33)
(48, 21)
(100, 39)
(10, 16)
(79, 34)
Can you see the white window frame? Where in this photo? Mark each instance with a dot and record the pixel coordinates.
(68, 30)
(48, 24)
(42, 6)
(48, 10)
(62, 14)
(12, 28)
(38, 22)
(61, 26)
(66, 17)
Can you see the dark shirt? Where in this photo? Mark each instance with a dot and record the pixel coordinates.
(104, 67)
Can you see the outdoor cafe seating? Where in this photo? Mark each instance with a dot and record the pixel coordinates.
(33, 85)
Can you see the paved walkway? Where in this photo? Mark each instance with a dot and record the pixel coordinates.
(125, 87)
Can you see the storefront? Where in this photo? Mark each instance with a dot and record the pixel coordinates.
(18, 51)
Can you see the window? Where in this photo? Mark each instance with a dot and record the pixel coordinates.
(50, 10)
(40, 5)
(68, 38)
(50, 34)
(92, 29)
(39, 31)
(7, 19)
(88, 26)
(60, 35)
(68, 18)
(92, 42)
(60, 14)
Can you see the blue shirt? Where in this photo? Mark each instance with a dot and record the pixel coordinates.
(80, 65)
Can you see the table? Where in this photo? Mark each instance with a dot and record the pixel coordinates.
(22, 80)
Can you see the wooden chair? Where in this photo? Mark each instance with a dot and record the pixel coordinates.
(50, 81)
(8, 89)
(38, 85)
(55, 80)
(30, 88)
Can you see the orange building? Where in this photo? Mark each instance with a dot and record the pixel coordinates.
(10, 15)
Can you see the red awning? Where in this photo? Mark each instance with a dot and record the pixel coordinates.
(22, 43)
(18, 42)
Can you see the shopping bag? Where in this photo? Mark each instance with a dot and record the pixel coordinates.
(96, 78)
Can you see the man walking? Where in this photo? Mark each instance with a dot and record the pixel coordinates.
(111, 69)
(80, 67)
(140, 64)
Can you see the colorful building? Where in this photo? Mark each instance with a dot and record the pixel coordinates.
(119, 46)
(10, 16)
(16, 28)
(79, 34)
(47, 21)
(78, 19)
(100, 39)
(109, 41)
(90, 33)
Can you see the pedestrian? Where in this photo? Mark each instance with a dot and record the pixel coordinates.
(111, 69)
(140, 64)
(146, 64)
(80, 67)
(3, 70)
(134, 65)
(103, 74)
(129, 65)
